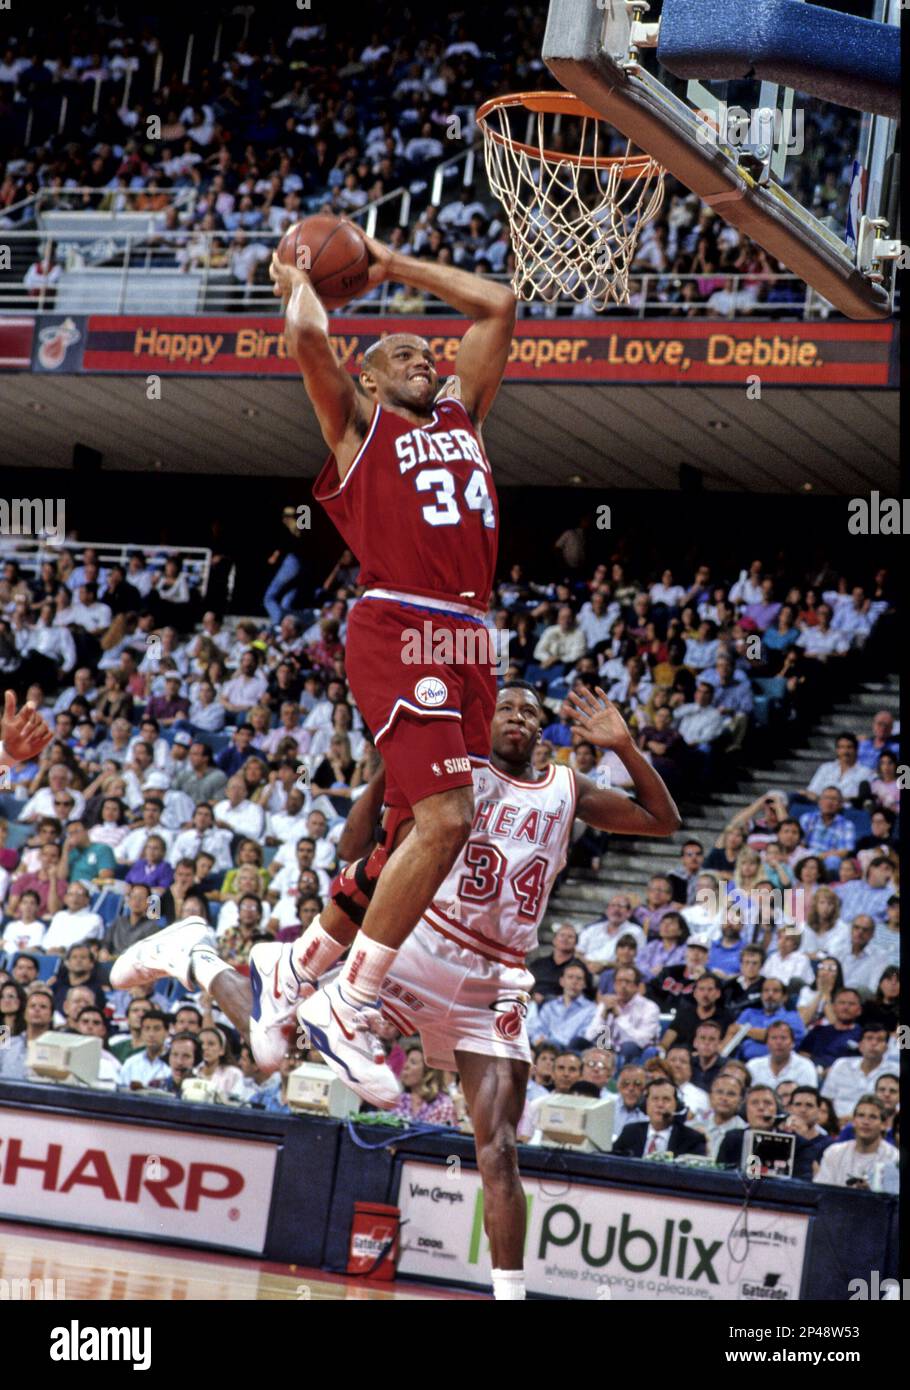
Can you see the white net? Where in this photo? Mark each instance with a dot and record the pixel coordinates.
(575, 218)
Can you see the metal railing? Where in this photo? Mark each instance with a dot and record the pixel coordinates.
(467, 157)
(31, 552)
(194, 272)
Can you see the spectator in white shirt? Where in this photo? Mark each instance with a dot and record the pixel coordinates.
(50, 639)
(666, 592)
(781, 1062)
(747, 588)
(698, 722)
(73, 923)
(237, 814)
(858, 1162)
(203, 835)
(342, 723)
(292, 861)
(289, 727)
(860, 962)
(289, 824)
(597, 942)
(132, 845)
(788, 962)
(678, 1058)
(854, 618)
(627, 1017)
(596, 619)
(722, 1113)
(561, 644)
(138, 575)
(205, 711)
(82, 686)
(149, 733)
(87, 612)
(822, 641)
(91, 1023)
(26, 930)
(247, 688)
(44, 802)
(320, 716)
(844, 772)
(849, 1078)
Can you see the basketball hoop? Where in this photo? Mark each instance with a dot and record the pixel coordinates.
(575, 216)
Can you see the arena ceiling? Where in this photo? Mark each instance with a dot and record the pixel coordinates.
(794, 440)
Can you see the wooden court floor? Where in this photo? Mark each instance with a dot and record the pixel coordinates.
(105, 1268)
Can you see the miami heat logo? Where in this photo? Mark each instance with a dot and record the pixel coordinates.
(510, 1016)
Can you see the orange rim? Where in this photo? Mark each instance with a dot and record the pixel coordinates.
(561, 104)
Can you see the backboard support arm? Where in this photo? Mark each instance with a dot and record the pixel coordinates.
(588, 49)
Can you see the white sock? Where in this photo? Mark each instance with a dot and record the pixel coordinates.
(206, 966)
(508, 1284)
(367, 965)
(315, 951)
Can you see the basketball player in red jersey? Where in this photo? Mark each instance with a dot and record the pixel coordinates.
(410, 489)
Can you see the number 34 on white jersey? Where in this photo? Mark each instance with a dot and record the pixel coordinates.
(495, 895)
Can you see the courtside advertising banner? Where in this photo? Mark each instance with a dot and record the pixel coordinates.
(135, 1179)
(582, 1237)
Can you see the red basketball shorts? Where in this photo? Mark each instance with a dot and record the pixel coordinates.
(424, 681)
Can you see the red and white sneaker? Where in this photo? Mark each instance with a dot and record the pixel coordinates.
(277, 990)
(341, 1031)
(167, 953)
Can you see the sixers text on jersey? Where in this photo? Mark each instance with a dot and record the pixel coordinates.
(418, 507)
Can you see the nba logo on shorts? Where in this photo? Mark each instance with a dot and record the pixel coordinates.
(430, 691)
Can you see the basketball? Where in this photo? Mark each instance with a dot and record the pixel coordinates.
(332, 252)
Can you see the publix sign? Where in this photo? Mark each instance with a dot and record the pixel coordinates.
(582, 1239)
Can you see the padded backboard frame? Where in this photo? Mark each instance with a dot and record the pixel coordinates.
(587, 48)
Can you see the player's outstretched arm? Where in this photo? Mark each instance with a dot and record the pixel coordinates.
(358, 835)
(340, 406)
(654, 811)
(484, 350)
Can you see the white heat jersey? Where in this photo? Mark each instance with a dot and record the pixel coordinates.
(495, 894)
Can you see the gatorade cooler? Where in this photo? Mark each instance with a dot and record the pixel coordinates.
(374, 1240)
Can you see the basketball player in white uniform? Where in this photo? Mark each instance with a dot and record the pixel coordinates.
(460, 979)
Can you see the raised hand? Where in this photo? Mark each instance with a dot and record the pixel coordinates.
(285, 278)
(599, 719)
(25, 733)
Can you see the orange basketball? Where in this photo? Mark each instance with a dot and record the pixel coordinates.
(333, 253)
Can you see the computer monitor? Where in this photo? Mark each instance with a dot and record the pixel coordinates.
(767, 1154)
(314, 1089)
(67, 1057)
(583, 1122)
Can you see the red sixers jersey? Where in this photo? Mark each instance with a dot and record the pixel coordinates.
(418, 506)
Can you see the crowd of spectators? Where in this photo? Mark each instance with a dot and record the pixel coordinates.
(283, 123)
(206, 765)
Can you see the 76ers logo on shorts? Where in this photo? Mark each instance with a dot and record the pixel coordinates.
(510, 1015)
(430, 692)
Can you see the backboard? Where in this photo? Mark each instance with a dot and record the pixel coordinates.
(815, 183)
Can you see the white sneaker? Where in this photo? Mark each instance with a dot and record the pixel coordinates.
(277, 990)
(340, 1030)
(167, 953)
